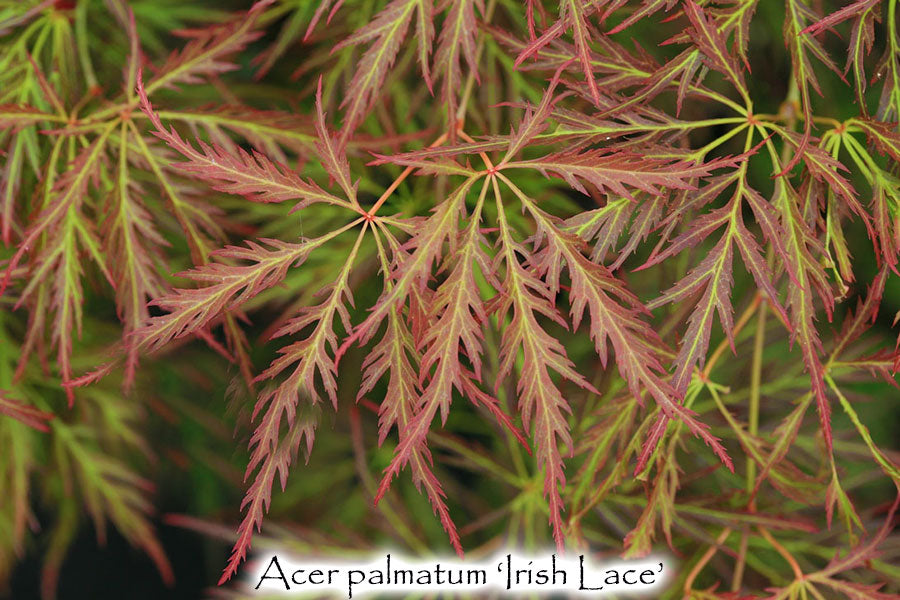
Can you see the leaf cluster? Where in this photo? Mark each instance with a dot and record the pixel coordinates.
(540, 221)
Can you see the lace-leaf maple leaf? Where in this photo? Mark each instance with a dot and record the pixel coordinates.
(888, 70)
(113, 492)
(712, 43)
(132, 245)
(605, 165)
(733, 17)
(810, 280)
(647, 8)
(713, 275)
(253, 176)
(457, 312)
(535, 120)
(386, 32)
(540, 399)
(798, 15)
(573, 15)
(192, 310)
(885, 186)
(862, 37)
(207, 51)
(614, 170)
(69, 191)
(306, 359)
(637, 346)
(275, 456)
(858, 556)
(56, 270)
(455, 43)
(29, 415)
(679, 72)
(391, 355)
(189, 310)
(333, 158)
(424, 249)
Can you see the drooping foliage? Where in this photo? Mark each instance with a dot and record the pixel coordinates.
(440, 210)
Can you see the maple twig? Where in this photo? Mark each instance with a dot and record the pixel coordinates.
(753, 429)
(483, 155)
(370, 215)
(707, 556)
(788, 557)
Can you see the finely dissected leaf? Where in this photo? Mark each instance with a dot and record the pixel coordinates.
(849, 11)
(648, 7)
(613, 171)
(660, 505)
(802, 45)
(132, 238)
(605, 225)
(785, 435)
(386, 32)
(534, 121)
(10, 184)
(890, 467)
(439, 154)
(713, 277)
(735, 19)
(70, 191)
(189, 310)
(306, 359)
(457, 311)
(888, 70)
(253, 176)
(196, 219)
(824, 168)
(864, 13)
(885, 203)
(573, 12)
(207, 52)
(865, 314)
(56, 264)
(636, 345)
(28, 415)
(572, 15)
(712, 43)
(268, 130)
(428, 164)
(323, 7)
(678, 71)
(424, 249)
(809, 279)
(112, 491)
(333, 158)
(540, 400)
(274, 456)
(392, 355)
(858, 556)
(885, 138)
(456, 42)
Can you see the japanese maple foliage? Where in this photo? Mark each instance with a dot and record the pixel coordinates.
(547, 213)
